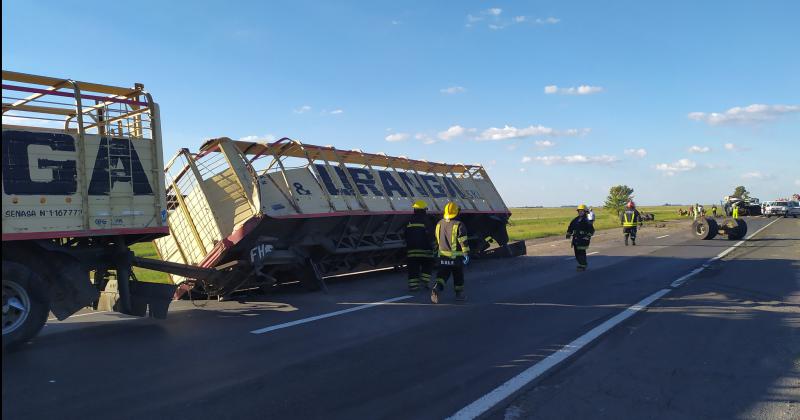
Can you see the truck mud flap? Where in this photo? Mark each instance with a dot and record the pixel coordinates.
(512, 249)
(156, 296)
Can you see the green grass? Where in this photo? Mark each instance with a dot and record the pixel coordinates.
(530, 223)
(148, 250)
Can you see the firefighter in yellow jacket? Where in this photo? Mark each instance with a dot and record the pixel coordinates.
(453, 252)
(419, 247)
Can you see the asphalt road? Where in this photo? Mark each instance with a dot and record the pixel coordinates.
(724, 344)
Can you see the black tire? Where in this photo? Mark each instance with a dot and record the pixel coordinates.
(739, 231)
(24, 317)
(705, 228)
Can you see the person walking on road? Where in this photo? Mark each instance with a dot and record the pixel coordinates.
(453, 253)
(580, 231)
(629, 219)
(419, 247)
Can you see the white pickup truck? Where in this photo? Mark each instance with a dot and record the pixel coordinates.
(782, 208)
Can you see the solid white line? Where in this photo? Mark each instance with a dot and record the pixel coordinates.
(592, 253)
(660, 237)
(486, 402)
(328, 315)
(483, 404)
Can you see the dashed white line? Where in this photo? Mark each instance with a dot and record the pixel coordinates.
(662, 237)
(328, 315)
(591, 253)
(496, 396)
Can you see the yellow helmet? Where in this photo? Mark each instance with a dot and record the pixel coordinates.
(420, 205)
(582, 207)
(450, 210)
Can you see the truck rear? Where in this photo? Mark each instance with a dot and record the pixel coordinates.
(82, 180)
(287, 211)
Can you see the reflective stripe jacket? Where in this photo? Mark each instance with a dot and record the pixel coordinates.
(630, 218)
(451, 235)
(419, 236)
(581, 231)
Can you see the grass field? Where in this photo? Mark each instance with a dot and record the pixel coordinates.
(530, 223)
(526, 223)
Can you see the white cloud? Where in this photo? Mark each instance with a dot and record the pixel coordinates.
(576, 159)
(699, 149)
(510, 132)
(452, 90)
(494, 11)
(548, 21)
(544, 143)
(637, 153)
(264, 138)
(520, 19)
(451, 133)
(426, 139)
(671, 169)
(337, 112)
(397, 137)
(522, 169)
(734, 148)
(580, 90)
(302, 110)
(756, 175)
(396, 22)
(526, 159)
(748, 114)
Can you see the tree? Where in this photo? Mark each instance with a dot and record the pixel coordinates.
(618, 196)
(741, 192)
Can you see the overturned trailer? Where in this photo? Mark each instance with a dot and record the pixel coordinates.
(287, 211)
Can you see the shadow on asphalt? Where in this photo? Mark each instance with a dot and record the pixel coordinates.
(738, 314)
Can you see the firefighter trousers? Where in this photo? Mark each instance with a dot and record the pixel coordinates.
(629, 232)
(419, 271)
(448, 266)
(580, 256)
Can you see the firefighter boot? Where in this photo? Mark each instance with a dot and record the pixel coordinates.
(626, 239)
(460, 297)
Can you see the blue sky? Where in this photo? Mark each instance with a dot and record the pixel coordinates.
(558, 99)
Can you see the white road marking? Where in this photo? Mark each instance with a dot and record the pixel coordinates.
(75, 316)
(573, 257)
(483, 404)
(496, 396)
(328, 315)
(679, 282)
(661, 237)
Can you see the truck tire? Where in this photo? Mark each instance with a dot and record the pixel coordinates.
(705, 228)
(739, 230)
(25, 304)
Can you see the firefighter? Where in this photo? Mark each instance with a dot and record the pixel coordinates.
(736, 210)
(419, 247)
(629, 219)
(581, 231)
(453, 253)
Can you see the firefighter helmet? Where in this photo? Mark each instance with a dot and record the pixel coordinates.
(420, 205)
(631, 204)
(450, 210)
(582, 207)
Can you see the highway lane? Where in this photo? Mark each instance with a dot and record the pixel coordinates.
(400, 359)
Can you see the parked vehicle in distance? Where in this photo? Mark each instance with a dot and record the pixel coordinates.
(777, 208)
(793, 209)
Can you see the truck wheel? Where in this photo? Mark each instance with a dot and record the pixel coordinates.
(25, 304)
(735, 228)
(705, 228)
